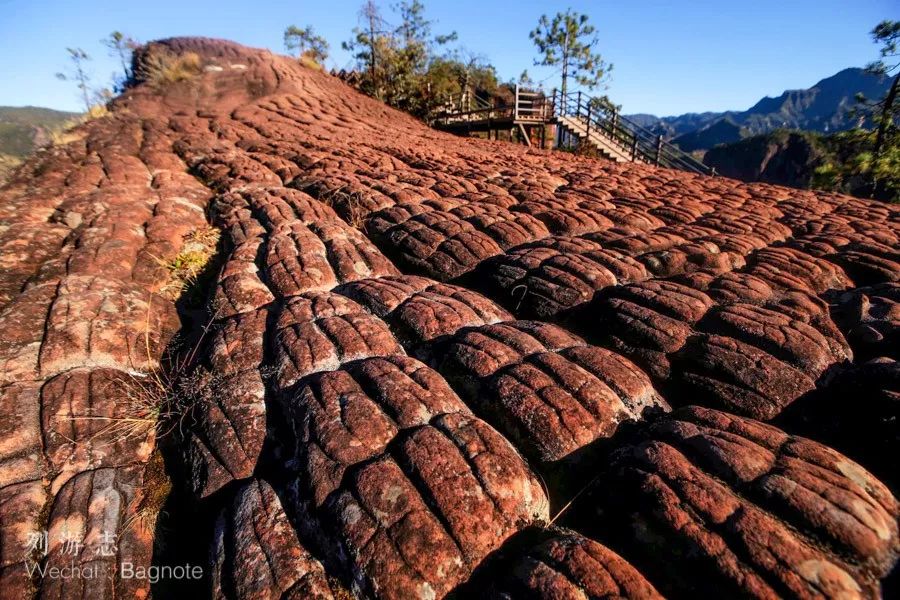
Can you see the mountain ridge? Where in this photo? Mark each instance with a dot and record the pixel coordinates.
(826, 106)
(23, 129)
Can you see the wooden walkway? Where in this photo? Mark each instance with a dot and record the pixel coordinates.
(526, 119)
(570, 120)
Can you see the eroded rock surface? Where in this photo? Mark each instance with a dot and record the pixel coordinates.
(86, 231)
(750, 509)
(564, 564)
(407, 487)
(256, 552)
(403, 328)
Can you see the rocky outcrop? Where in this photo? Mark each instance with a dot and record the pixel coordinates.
(749, 510)
(87, 229)
(419, 355)
(560, 563)
(256, 553)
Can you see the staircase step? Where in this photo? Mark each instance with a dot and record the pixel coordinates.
(609, 147)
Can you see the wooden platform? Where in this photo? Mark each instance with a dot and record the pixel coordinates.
(566, 120)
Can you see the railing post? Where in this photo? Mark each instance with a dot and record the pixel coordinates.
(615, 120)
(516, 109)
(634, 148)
(587, 134)
(553, 110)
(658, 148)
(578, 105)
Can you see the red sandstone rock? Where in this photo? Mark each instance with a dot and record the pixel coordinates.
(320, 331)
(416, 519)
(732, 295)
(257, 553)
(550, 393)
(541, 279)
(95, 524)
(568, 565)
(729, 495)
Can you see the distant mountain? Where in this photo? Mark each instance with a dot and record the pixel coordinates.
(723, 131)
(782, 157)
(672, 127)
(23, 129)
(825, 107)
(806, 160)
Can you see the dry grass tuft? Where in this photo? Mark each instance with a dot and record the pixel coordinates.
(159, 400)
(308, 59)
(8, 164)
(164, 68)
(68, 132)
(189, 264)
(349, 205)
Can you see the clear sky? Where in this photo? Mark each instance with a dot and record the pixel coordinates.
(670, 56)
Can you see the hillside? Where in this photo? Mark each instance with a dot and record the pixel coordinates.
(24, 129)
(825, 107)
(723, 131)
(805, 160)
(258, 323)
(782, 157)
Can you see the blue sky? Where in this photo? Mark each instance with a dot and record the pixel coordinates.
(670, 57)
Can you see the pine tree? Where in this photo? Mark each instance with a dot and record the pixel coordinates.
(569, 41)
(886, 33)
(371, 46)
(397, 59)
(306, 43)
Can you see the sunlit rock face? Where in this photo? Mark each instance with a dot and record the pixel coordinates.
(416, 365)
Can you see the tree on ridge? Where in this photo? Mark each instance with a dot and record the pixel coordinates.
(306, 43)
(79, 75)
(122, 47)
(569, 42)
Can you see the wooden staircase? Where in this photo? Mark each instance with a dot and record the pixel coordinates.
(577, 117)
(580, 118)
(578, 128)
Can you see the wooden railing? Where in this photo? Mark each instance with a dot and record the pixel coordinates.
(532, 106)
(527, 106)
(594, 115)
(638, 142)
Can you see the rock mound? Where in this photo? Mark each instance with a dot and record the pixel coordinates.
(413, 365)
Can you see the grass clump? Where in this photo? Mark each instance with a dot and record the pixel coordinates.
(8, 163)
(310, 61)
(349, 205)
(164, 68)
(68, 132)
(187, 267)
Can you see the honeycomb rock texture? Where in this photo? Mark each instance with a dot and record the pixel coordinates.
(564, 564)
(413, 365)
(753, 509)
(257, 553)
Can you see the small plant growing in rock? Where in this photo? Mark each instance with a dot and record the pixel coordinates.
(349, 205)
(190, 263)
(79, 75)
(156, 402)
(122, 47)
